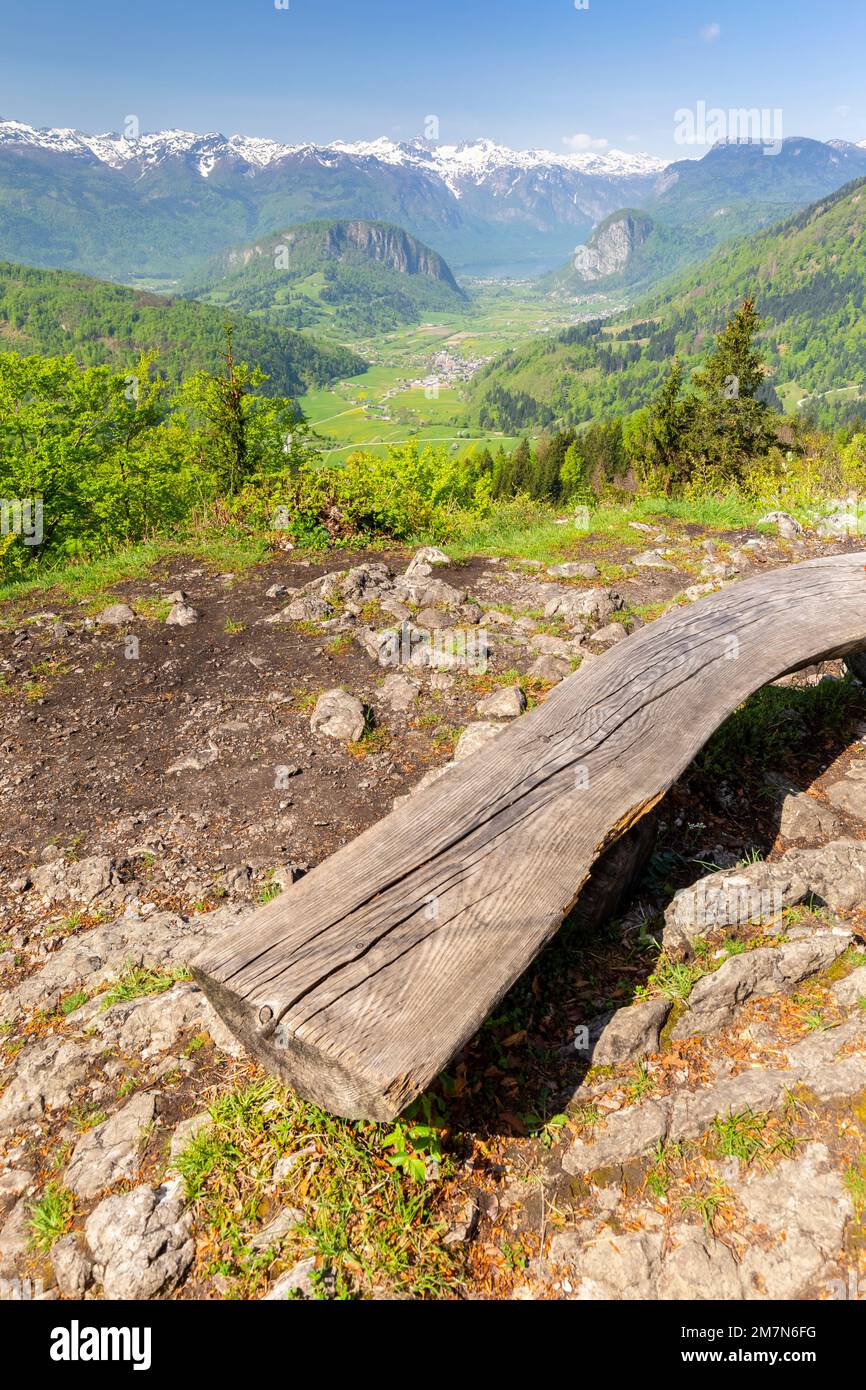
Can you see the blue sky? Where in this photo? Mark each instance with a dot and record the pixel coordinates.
(525, 72)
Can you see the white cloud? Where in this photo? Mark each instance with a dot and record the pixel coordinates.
(710, 32)
(582, 141)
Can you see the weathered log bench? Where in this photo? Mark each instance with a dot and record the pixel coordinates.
(361, 981)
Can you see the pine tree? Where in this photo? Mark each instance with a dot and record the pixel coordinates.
(730, 424)
(574, 476)
(521, 468)
(661, 456)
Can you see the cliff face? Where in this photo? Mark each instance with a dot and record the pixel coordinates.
(612, 245)
(312, 244)
(390, 246)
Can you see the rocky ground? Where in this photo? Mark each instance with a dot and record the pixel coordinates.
(671, 1104)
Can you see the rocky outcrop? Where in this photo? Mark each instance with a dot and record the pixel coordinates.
(612, 245)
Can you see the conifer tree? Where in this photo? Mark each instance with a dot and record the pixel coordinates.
(731, 425)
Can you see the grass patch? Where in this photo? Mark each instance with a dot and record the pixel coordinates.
(368, 1218)
(748, 1137)
(672, 978)
(774, 721)
(137, 981)
(220, 550)
(855, 1181)
(51, 1216)
(73, 1002)
(709, 1204)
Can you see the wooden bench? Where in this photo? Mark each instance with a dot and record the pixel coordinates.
(360, 982)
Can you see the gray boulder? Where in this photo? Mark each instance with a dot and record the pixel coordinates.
(805, 818)
(593, 605)
(140, 1242)
(626, 1033)
(651, 560)
(115, 615)
(182, 615)
(399, 692)
(338, 715)
(573, 570)
(298, 1280)
(507, 703)
(46, 1074)
(849, 991)
(309, 609)
(550, 668)
(788, 526)
(72, 1265)
(755, 893)
(715, 999)
(424, 560)
(849, 794)
(473, 737)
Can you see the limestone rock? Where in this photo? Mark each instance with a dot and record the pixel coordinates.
(182, 615)
(473, 737)
(45, 1077)
(653, 560)
(849, 794)
(339, 715)
(849, 991)
(73, 1266)
(595, 605)
(110, 1151)
(506, 703)
(140, 1242)
(805, 818)
(115, 615)
(715, 999)
(788, 526)
(609, 635)
(573, 570)
(298, 1280)
(626, 1033)
(550, 668)
(424, 560)
(399, 692)
(757, 892)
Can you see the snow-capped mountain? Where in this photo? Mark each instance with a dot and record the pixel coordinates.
(472, 160)
(162, 205)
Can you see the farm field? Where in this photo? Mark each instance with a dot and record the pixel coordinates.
(415, 386)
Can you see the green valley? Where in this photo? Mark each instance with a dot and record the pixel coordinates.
(419, 379)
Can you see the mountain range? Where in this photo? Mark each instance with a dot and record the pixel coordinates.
(695, 205)
(159, 206)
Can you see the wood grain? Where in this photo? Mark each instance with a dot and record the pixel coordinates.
(361, 981)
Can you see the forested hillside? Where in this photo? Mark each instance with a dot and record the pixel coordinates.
(807, 276)
(351, 276)
(54, 311)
